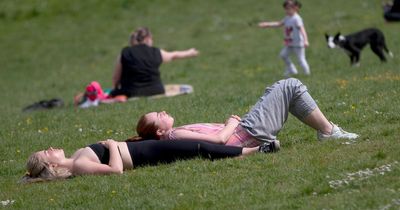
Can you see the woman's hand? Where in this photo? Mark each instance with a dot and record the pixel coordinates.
(107, 143)
(115, 162)
(236, 117)
(233, 119)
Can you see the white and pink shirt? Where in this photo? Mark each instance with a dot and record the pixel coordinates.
(240, 136)
(292, 33)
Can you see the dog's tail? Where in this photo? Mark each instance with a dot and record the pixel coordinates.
(387, 50)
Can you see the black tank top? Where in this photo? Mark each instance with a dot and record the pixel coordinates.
(102, 152)
(140, 71)
(396, 6)
(140, 152)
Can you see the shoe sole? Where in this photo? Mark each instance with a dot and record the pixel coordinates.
(338, 138)
(276, 146)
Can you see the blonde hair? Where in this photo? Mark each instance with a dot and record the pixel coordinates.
(39, 170)
(139, 36)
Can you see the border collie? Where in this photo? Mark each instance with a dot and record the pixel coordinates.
(355, 42)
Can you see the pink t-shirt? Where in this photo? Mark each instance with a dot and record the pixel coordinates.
(240, 136)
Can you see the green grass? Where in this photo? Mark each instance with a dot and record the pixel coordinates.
(54, 48)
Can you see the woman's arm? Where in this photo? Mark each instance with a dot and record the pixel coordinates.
(84, 165)
(219, 138)
(304, 34)
(115, 157)
(173, 55)
(274, 24)
(117, 73)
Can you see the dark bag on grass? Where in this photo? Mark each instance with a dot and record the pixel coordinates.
(44, 104)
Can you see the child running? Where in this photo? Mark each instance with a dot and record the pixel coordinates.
(296, 39)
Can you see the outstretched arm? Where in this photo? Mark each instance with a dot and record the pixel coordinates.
(173, 55)
(220, 138)
(273, 24)
(117, 73)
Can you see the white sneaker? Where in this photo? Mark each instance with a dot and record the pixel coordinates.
(88, 103)
(337, 133)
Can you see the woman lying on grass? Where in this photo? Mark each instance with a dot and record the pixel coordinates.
(111, 157)
(261, 124)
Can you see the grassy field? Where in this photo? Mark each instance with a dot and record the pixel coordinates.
(54, 48)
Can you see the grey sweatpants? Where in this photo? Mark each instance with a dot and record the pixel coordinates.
(267, 116)
(300, 53)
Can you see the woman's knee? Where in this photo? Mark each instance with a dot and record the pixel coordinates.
(294, 82)
(296, 86)
(289, 83)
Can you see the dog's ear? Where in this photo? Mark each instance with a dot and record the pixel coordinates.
(326, 36)
(337, 35)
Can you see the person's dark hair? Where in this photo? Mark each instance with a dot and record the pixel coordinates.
(139, 36)
(145, 129)
(291, 3)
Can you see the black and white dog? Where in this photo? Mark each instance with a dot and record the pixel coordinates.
(354, 43)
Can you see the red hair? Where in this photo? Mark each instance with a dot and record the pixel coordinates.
(145, 129)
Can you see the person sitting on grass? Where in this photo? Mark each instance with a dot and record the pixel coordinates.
(392, 11)
(261, 124)
(112, 157)
(136, 72)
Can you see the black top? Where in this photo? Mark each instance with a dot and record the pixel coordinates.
(102, 152)
(140, 71)
(396, 6)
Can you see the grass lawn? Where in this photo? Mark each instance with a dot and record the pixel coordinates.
(54, 48)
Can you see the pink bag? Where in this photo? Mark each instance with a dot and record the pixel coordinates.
(95, 92)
